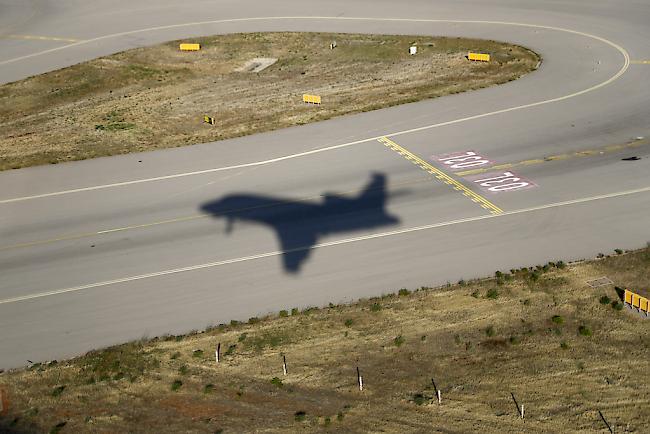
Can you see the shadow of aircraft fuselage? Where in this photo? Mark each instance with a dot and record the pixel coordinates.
(299, 224)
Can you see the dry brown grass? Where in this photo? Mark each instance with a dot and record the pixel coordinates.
(479, 348)
(153, 98)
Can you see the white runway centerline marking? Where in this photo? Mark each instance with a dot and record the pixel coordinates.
(320, 245)
(615, 77)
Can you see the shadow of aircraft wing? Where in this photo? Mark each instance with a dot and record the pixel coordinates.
(296, 245)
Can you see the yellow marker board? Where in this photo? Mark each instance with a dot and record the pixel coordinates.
(637, 301)
(311, 99)
(208, 120)
(478, 56)
(190, 47)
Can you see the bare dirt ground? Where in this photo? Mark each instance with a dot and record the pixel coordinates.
(565, 351)
(156, 97)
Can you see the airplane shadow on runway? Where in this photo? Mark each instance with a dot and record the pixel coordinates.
(298, 224)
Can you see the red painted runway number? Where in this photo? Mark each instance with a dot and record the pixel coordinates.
(496, 182)
(463, 160)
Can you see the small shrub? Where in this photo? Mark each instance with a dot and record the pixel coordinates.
(461, 282)
(534, 276)
(560, 264)
(175, 356)
(253, 320)
(348, 322)
(527, 302)
(605, 300)
(420, 399)
(242, 337)
(600, 256)
(284, 314)
(489, 331)
(234, 323)
(584, 331)
(58, 427)
(617, 305)
(375, 307)
(339, 416)
(176, 385)
(557, 319)
(398, 341)
(299, 416)
(498, 274)
(514, 340)
(618, 251)
(327, 421)
(183, 370)
(457, 339)
(208, 388)
(57, 391)
(230, 350)
(197, 353)
(564, 345)
(492, 294)
(476, 293)
(118, 376)
(276, 382)
(403, 292)
(294, 311)
(423, 338)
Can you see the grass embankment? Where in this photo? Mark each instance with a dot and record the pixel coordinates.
(155, 97)
(564, 349)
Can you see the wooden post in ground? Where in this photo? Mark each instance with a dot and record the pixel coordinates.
(435, 388)
(520, 409)
(217, 353)
(284, 364)
(360, 380)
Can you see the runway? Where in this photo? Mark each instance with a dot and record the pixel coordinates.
(98, 252)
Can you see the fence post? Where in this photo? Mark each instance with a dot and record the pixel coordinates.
(360, 380)
(216, 353)
(284, 364)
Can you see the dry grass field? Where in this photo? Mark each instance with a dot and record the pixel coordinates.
(155, 97)
(565, 351)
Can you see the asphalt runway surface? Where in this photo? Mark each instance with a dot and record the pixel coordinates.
(98, 252)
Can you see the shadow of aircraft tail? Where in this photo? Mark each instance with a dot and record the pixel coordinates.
(299, 224)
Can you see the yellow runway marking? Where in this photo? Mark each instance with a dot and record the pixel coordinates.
(640, 62)
(41, 38)
(442, 176)
(585, 153)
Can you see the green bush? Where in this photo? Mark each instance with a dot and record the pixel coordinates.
(375, 307)
(403, 292)
(560, 264)
(176, 385)
(197, 353)
(617, 305)
(461, 282)
(339, 416)
(584, 330)
(476, 293)
(527, 302)
(242, 337)
(284, 314)
(234, 323)
(604, 300)
(498, 274)
(489, 331)
(230, 350)
(557, 319)
(183, 370)
(299, 416)
(348, 322)
(420, 399)
(253, 320)
(492, 294)
(276, 382)
(514, 340)
(398, 341)
(618, 251)
(294, 311)
(564, 345)
(208, 388)
(58, 390)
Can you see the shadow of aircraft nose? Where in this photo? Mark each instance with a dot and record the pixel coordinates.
(299, 224)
